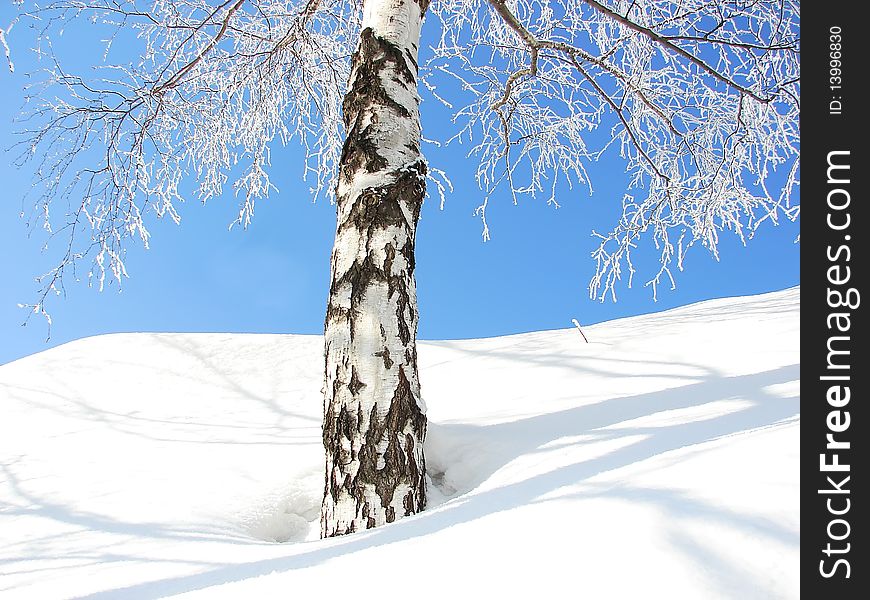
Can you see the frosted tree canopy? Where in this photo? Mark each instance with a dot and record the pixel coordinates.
(699, 98)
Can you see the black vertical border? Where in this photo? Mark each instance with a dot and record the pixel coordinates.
(824, 131)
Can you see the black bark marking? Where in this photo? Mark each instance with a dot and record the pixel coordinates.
(374, 57)
(410, 57)
(408, 504)
(389, 257)
(335, 312)
(382, 205)
(399, 466)
(346, 426)
(366, 514)
(408, 249)
(404, 330)
(379, 208)
(385, 354)
(355, 384)
(409, 452)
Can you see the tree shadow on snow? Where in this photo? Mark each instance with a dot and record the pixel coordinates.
(510, 440)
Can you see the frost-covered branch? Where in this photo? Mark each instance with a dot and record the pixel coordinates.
(210, 88)
(4, 31)
(700, 99)
(666, 41)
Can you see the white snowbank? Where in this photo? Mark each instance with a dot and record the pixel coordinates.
(659, 460)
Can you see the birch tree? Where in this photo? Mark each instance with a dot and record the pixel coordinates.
(700, 98)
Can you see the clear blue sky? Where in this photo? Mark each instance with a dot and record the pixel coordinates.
(274, 276)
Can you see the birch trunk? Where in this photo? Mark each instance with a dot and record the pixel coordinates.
(374, 419)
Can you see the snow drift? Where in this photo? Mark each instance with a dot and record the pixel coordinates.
(659, 460)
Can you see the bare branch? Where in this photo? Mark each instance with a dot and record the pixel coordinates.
(667, 43)
(705, 99)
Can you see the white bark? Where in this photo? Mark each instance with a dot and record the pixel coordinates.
(374, 421)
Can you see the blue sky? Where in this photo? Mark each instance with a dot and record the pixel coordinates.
(274, 276)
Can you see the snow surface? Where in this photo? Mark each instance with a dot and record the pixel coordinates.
(660, 460)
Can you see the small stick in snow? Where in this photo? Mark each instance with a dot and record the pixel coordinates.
(577, 325)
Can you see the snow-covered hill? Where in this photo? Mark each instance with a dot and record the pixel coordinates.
(660, 460)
